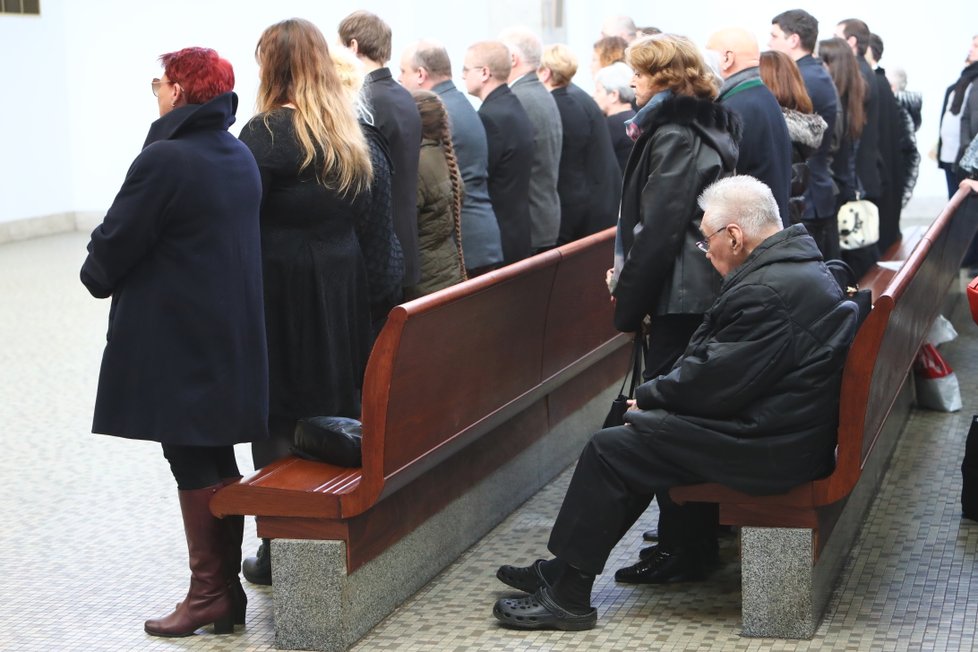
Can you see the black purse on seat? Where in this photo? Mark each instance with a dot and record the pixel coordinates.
(334, 440)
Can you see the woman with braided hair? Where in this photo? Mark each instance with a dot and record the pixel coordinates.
(440, 191)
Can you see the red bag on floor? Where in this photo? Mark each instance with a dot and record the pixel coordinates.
(937, 386)
(973, 298)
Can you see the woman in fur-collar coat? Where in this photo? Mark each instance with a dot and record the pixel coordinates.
(686, 142)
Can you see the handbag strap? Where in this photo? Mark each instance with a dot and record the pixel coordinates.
(639, 348)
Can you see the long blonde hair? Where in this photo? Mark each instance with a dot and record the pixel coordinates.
(296, 69)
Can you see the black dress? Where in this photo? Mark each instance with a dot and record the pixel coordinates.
(317, 299)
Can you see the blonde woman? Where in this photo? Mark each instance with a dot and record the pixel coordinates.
(321, 228)
(440, 193)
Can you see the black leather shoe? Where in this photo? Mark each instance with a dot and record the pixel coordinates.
(661, 567)
(258, 569)
(651, 535)
(540, 611)
(523, 578)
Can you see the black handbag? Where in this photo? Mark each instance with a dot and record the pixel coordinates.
(847, 280)
(969, 474)
(616, 415)
(334, 440)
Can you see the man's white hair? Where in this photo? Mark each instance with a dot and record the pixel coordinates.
(741, 200)
(524, 43)
(616, 77)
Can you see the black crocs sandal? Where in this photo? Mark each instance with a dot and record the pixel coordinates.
(523, 578)
(539, 611)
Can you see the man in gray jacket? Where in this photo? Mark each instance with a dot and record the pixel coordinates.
(525, 49)
(425, 65)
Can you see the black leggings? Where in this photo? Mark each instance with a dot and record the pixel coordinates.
(196, 467)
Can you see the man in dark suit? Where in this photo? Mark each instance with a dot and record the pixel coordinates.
(590, 180)
(425, 65)
(525, 48)
(397, 118)
(509, 134)
(794, 33)
(893, 148)
(765, 151)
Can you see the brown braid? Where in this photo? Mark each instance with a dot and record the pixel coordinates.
(434, 125)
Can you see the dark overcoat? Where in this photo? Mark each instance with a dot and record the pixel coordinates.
(765, 149)
(179, 252)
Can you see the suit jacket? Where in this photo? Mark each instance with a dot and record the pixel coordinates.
(868, 151)
(820, 195)
(481, 243)
(396, 116)
(765, 150)
(589, 183)
(509, 134)
(547, 141)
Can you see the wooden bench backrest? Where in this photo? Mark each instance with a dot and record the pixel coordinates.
(449, 367)
(885, 347)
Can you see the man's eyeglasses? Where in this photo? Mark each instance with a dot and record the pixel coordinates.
(704, 244)
(156, 85)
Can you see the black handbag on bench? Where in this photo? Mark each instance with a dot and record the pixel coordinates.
(616, 415)
(334, 440)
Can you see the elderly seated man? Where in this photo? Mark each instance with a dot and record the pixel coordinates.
(752, 404)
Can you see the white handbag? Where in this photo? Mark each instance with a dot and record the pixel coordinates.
(859, 224)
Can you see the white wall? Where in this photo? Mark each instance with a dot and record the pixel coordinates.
(77, 115)
(35, 169)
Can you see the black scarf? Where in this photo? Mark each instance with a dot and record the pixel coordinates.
(967, 76)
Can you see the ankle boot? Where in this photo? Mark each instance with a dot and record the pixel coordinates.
(209, 599)
(258, 569)
(234, 530)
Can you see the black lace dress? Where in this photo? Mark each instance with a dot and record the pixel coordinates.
(315, 267)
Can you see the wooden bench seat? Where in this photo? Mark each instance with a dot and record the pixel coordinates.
(874, 404)
(496, 382)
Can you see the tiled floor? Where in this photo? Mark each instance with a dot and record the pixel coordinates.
(92, 543)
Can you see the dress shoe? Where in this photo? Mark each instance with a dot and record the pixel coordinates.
(650, 535)
(541, 611)
(660, 567)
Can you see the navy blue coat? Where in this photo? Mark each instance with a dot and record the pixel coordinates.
(179, 252)
(481, 242)
(765, 148)
(820, 194)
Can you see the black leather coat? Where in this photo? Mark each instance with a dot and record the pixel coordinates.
(686, 144)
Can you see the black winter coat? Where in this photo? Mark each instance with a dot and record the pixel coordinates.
(179, 252)
(753, 402)
(686, 144)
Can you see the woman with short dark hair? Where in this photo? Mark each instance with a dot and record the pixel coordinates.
(185, 364)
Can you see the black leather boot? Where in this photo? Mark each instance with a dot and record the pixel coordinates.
(258, 569)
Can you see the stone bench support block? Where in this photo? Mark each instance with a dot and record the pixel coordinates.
(319, 607)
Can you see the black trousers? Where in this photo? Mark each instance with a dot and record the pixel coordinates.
(196, 467)
(615, 479)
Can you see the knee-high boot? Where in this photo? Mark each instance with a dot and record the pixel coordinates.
(209, 598)
(234, 530)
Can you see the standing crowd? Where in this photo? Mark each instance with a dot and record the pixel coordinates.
(249, 277)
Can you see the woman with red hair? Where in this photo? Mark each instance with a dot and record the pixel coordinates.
(185, 364)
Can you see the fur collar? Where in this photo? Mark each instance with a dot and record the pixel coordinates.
(689, 111)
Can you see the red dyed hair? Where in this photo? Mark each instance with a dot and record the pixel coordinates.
(201, 73)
